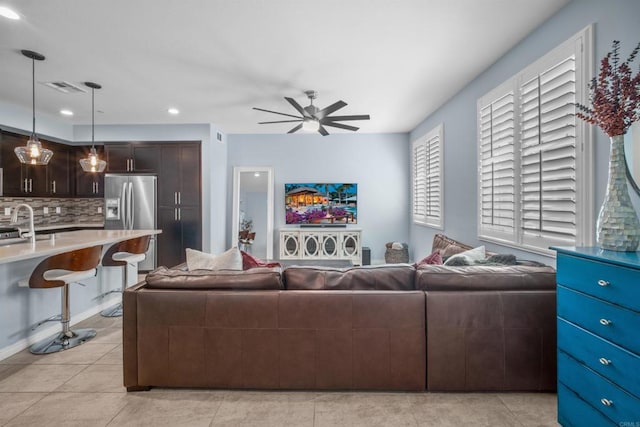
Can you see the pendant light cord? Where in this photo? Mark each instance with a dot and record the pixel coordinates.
(92, 117)
(33, 96)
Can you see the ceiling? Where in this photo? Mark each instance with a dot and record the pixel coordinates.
(397, 60)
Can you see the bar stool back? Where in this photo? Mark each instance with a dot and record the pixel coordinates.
(58, 271)
(130, 251)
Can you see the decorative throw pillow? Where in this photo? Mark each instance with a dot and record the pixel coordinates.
(469, 257)
(434, 259)
(249, 261)
(229, 260)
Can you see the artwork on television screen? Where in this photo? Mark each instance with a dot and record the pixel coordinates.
(321, 203)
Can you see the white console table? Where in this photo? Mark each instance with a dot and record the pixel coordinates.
(321, 244)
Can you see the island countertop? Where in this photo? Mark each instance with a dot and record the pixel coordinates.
(67, 241)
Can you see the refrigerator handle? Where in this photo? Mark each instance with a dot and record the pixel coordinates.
(123, 206)
(131, 206)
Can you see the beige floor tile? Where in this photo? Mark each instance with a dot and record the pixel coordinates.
(169, 407)
(96, 378)
(36, 378)
(471, 409)
(99, 322)
(533, 409)
(84, 354)
(266, 409)
(114, 357)
(364, 409)
(12, 404)
(88, 409)
(108, 336)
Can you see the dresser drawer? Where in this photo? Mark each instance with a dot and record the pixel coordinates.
(609, 321)
(610, 282)
(614, 363)
(603, 395)
(571, 407)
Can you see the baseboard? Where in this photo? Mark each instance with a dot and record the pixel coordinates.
(45, 332)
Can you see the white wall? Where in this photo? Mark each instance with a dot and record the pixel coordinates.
(378, 163)
(19, 119)
(614, 20)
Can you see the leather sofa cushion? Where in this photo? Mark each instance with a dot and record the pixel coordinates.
(485, 278)
(176, 278)
(396, 277)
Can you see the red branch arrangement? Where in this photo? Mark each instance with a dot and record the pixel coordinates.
(615, 94)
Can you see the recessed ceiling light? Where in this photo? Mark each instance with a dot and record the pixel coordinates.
(257, 174)
(173, 111)
(66, 112)
(8, 13)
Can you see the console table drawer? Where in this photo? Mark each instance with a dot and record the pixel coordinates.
(606, 397)
(609, 360)
(614, 323)
(607, 281)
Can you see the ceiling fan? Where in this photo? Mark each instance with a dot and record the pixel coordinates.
(314, 119)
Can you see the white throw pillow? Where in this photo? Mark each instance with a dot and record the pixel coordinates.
(229, 260)
(470, 256)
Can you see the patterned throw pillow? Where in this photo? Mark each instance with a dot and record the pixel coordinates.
(467, 257)
(229, 260)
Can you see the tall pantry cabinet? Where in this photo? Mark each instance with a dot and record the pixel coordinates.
(179, 201)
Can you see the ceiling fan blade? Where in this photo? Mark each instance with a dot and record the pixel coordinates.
(295, 129)
(341, 118)
(279, 121)
(297, 106)
(322, 131)
(330, 109)
(340, 125)
(275, 112)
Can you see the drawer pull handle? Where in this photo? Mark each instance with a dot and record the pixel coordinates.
(605, 361)
(606, 402)
(605, 322)
(603, 283)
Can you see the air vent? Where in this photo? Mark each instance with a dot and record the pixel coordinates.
(64, 87)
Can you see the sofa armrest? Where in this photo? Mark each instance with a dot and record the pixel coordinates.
(130, 337)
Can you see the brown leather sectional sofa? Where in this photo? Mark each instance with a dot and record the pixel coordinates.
(391, 327)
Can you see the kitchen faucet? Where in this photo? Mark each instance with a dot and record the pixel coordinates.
(14, 220)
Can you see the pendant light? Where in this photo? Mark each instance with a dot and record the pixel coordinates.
(33, 153)
(92, 163)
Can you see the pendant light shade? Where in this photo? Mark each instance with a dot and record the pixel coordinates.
(93, 163)
(33, 153)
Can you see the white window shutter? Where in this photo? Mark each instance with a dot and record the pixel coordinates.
(427, 179)
(496, 164)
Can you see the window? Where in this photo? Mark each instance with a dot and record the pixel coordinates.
(426, 173)
(534, 155)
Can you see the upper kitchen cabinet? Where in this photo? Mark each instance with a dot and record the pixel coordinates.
(59, 171)
(179, 179)
(20, 179)
(132, 157)
(88, 184)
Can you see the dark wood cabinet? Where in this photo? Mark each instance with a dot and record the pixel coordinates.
(60, 171)
(88, 184)
(179, 201)
(135, 157)
(23, 179)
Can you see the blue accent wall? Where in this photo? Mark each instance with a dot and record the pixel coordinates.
(378, 163)
(614, 20)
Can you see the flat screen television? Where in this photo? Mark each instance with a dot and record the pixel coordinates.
(321, 203)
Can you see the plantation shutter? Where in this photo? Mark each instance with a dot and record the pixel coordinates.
(427, 178)
(548, 155)
(496, 173)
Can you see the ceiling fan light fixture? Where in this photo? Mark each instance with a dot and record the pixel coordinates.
(33, 153)
(93, 163)
(311, 125)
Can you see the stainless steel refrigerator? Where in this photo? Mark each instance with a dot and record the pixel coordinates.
(130, 204)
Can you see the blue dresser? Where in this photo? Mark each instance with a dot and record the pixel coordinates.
(598, 337)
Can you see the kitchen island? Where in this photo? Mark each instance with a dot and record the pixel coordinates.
(22, 307)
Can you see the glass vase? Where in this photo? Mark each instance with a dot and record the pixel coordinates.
(618, 228)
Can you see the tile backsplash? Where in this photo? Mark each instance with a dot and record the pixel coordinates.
(72, 211)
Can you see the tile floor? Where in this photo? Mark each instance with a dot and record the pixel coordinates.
(83, 387)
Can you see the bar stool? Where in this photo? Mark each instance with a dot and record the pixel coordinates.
(123, 253)
(59, 271)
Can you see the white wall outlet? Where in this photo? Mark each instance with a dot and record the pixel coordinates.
(45, 210)
(7, 211)
(58, 209)
(99, 209)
